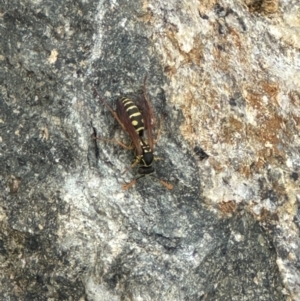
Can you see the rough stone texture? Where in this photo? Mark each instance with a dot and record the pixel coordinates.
(226, 74)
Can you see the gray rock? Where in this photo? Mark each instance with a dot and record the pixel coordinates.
(225, 76)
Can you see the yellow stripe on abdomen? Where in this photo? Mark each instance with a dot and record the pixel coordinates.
(140, 129)
(135, 115)
(132, 107)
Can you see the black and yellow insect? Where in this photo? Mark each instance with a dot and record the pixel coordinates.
(138, 121)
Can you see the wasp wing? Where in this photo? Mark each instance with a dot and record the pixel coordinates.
(147, 113)
(124, 118)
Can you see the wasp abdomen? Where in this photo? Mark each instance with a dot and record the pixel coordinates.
(135, 115)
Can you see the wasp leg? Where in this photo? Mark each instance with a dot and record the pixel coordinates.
(166, 184)
(110, 109)
(148, 101)
(127, 186)
(134, 163)
(130, 147)
(159, 129)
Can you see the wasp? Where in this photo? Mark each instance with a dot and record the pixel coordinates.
(138, 121)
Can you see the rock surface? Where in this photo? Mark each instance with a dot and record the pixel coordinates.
(225, 75)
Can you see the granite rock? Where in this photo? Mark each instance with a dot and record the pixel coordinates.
(224, 77)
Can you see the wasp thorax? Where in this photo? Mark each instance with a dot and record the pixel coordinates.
(147, 159)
